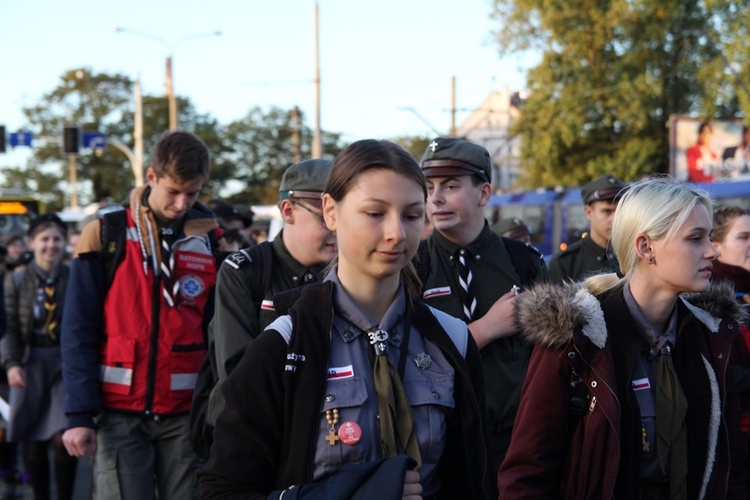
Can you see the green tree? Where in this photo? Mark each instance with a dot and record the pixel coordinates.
(612, 73)
(248, 156)
(259, 147)
(101, 102)
(95, 101)
(414, 144)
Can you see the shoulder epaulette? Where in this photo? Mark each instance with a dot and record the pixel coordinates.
(571, 249)
(238, 259)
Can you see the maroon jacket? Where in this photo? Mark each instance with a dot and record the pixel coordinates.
(599, 455)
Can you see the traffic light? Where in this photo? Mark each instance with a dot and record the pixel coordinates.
(71, 140)
(2, 138)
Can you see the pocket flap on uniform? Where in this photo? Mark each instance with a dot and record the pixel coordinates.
(344, 393)
(120, 350)
(436, 389)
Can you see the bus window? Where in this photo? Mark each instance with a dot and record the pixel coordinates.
(533, 216)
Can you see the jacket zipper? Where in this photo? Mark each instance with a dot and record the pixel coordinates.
(593, 370)
(153, 351)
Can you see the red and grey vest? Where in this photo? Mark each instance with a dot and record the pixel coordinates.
(150, 352)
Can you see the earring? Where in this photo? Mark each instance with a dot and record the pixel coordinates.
(651, 261)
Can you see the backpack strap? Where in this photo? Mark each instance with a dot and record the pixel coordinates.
(113, 235)
(523, 257)
(261, 258)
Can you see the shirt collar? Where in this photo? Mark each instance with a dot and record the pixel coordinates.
(348, 309)
(300, 273)
(647, 330)
(476, 247)
(44, 275)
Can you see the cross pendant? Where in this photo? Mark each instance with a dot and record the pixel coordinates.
(646, 446)
(332, 437)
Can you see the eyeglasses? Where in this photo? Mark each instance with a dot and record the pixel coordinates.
(317, 214)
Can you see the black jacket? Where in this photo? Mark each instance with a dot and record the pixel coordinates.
(20, 294)
(265, 437)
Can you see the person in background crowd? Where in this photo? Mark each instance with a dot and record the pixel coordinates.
(473, 274)
(513, 228)
(701, 156)
(247, 230)
(8, 470)
(16, 252)
(361, 372)
(70, 251)
(3, 257)
(588, 256)
(34, 300)
(133, 334)
(628, 394)
(229, 216)
(731, 237)
(296, 256)
(230, 221)
(260, 231)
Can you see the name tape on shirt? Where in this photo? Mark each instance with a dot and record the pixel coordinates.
(641, 384)
(437, 292)
(340, 372)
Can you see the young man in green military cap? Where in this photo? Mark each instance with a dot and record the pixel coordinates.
(296, 257)
(472, 273)
(588, 256)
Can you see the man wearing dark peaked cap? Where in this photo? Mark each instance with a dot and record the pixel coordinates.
(588, 256)
(474, 274)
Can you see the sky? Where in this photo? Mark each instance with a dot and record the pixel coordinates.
(376, 58)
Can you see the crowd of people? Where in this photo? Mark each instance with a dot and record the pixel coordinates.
(357, 354)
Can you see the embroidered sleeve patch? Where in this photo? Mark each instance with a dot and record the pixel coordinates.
(641, 384)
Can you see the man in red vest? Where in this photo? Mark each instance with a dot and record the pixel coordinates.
(133, 340)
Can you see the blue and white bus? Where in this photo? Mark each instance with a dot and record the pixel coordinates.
(557, 219)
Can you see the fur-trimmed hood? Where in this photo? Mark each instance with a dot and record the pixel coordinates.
(548, 314)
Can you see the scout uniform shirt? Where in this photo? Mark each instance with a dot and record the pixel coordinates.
(505, 360)
(236, 320)
(350, 389)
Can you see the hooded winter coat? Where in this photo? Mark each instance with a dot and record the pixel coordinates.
(555, 454)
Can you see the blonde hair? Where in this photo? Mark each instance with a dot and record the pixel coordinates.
(657, 206)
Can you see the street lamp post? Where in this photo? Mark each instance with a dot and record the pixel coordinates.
(317, 143)
(168, 82)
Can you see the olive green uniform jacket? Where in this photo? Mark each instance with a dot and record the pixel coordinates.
(237, 319)
(504, 361)
(580, 260)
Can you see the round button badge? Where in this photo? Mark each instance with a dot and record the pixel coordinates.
(350, 433)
